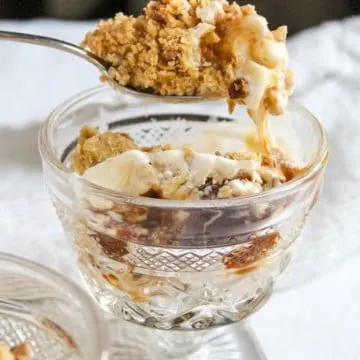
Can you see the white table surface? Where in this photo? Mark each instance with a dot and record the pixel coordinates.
(314, 320)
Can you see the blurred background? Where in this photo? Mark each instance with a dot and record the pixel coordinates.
(297, 14)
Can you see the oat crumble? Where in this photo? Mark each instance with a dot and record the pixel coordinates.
(18, 352)
(211, 48)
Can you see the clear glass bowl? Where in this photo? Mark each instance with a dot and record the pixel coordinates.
(55, 317)
(177, 265)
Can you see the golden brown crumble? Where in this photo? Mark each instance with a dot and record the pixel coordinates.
(247, 254)
(189, 153)
(131, 284)
(18, 352)
(166, 52)
(157, 148)
(133, 214)
(242, 156)
(94, 147)
(113, 246)
(238, 89)
(291, 171)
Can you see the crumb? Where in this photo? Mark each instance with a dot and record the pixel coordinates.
(94, 147)
(209, 190)
(241, 156)
(291, 170)
(247, 254)
(224, 192)
(189, 154)
(157, 148)
(112, 246)
(18, 352)
(280, 33)
(238, 89)
(132, 284)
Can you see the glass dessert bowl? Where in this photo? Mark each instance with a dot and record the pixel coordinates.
(179, 264)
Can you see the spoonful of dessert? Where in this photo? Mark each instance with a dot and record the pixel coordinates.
(187, 50)
(102, 64)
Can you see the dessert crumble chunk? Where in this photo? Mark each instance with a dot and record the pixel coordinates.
(115, 161)
(18, 352)
(94, 147)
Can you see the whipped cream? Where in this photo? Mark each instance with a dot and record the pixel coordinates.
(261, 54)
(207, 13)
(175, 172)
(196, 34)
(262, 62)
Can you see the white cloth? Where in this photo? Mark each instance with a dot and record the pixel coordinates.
(314, 320)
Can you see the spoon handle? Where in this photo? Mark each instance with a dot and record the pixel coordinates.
(55, 44)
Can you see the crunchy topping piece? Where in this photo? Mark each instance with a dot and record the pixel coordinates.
(247, 254)
(18, 352)
(280, 33)
(189, 154)
(134, 285)
(94, 147)
(248, 10)
(291, 170)
(270, 160)
(155, 193)
(241, 156)
(225, 192)
(238, 89)
(209, 190)
(131, 213)
(113, 246)
(231, 105)
(87, 132)
(157, 148)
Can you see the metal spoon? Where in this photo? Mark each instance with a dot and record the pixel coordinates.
(102, 65)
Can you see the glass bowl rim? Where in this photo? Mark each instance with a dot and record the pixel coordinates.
(319, 161)
(88, 306)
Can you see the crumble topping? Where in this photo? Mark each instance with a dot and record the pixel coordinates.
(114, 161)
(94, 147)
(249, 253)
(18, 352)
(200, 47)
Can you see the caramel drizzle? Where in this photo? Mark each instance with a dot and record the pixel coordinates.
(261, 117)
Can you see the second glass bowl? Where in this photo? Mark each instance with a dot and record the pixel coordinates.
(53, 316)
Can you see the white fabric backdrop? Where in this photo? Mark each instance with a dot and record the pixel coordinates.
(314, 320)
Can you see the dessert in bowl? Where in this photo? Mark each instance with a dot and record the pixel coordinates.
(176, 264)
(183, 215)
